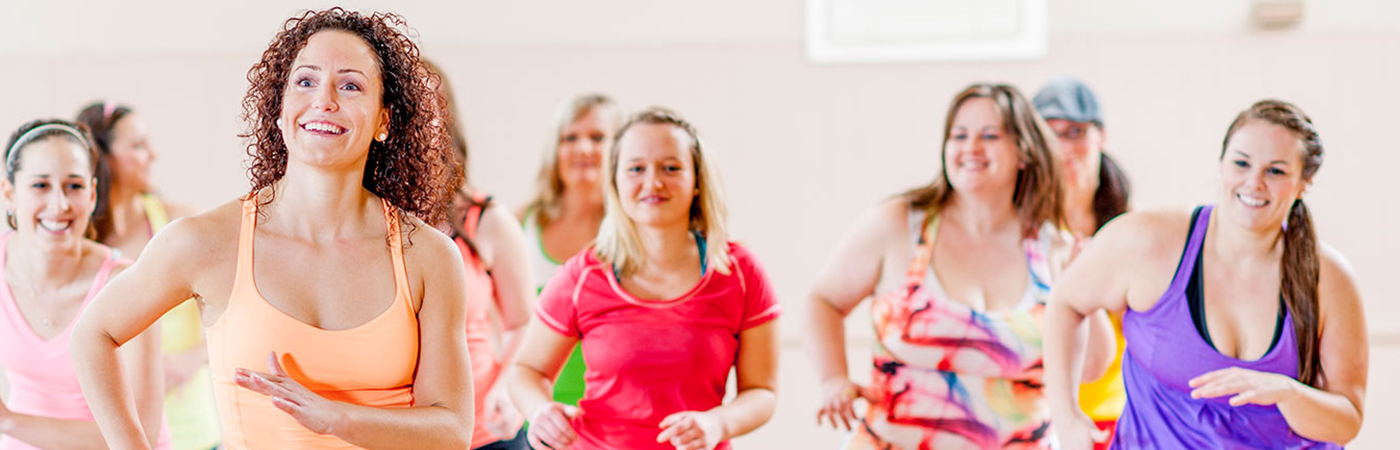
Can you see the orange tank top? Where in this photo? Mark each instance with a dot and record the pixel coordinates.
(371, 365)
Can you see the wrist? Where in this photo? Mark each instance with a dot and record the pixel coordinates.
(340, 417)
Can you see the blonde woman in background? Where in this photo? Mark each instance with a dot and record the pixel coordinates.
(564, 216)
(666, 306)
(128, 214)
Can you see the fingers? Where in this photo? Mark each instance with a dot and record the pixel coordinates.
(571, 412)
(551, 426)
(1244, 398)
(274, 366)
(1209, 377)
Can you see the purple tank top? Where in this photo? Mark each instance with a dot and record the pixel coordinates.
(1164, 352)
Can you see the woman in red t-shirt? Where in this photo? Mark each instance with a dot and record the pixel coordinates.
(661, 304)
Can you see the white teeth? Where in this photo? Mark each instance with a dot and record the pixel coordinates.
(55, 225)
(324, 127)
(1251, 201)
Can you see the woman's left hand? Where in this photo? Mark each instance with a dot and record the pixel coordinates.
(1247, 386)
(312, 411)
(692, 430)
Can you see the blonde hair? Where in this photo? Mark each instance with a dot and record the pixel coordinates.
(549, 188)
(617, 241)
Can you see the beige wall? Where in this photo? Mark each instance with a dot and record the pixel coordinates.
(803, 148)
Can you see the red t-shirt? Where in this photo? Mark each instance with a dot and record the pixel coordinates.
(649, 359)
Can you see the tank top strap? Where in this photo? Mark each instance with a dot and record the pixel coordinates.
(109, 263)
(395, 237)
(1194, 243)
(474, 213)
(1037, 250)
(923, 249)
(249, 223)
(156, 215)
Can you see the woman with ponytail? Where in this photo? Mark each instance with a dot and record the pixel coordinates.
(1257, 340)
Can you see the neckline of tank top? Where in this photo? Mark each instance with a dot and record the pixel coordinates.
(395, 253)
(931, 280)
(12, 303)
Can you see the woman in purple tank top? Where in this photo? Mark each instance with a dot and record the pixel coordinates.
(1251, 338)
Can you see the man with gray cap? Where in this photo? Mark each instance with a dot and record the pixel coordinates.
(1096, 191)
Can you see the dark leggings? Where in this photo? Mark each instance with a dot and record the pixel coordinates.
(516, 443)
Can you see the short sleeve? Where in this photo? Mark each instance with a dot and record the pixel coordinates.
(555, 306)
(760, 302)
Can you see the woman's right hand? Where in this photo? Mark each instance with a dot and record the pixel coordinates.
(838, 402)
(1077, 432)
(550, 428)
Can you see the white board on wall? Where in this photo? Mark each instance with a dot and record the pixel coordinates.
(863, 31)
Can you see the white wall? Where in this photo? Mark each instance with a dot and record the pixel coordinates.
(803, 147)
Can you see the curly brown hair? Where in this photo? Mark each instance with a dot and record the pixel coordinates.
(413, 169)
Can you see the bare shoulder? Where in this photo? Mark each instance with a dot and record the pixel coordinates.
(426, 248)
(1336, 279)
(201, 237)
(888, 220)
(1156, 232)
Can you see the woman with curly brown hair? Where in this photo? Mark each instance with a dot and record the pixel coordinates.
(349, 338)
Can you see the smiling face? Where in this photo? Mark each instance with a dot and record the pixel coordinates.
(581, 146)
(1261, 173)
(980, 154)
(655, 177)
(53, 193)
(331, 107)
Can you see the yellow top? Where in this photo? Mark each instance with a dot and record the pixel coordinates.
(189, 408)
(1103, 400)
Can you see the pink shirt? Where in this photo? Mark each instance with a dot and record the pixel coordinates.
(43, 381)
(649, 359)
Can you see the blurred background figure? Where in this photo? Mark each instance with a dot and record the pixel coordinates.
(563, 217)
(51, 272)
(128, 214)
(1096, 191)
(499, 284)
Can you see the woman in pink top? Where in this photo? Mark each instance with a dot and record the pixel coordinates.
(51, 272)
(346, 328)
(664, 305)
(499, 286)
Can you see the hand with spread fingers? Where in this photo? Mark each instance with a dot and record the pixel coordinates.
(311, 410)
(692, 430)
(839, 396)
(1246, 386)
(550, 427)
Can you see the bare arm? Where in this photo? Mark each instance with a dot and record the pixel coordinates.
(850, 276)
(756, 373)
(123, 387)
(530, 381)
(1098, 280)
(504, 249)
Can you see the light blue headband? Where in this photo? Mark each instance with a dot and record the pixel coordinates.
(28, 135)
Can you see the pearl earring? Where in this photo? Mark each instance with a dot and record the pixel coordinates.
(383, 136)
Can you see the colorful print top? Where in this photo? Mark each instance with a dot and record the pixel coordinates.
(949, 377)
